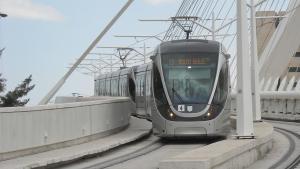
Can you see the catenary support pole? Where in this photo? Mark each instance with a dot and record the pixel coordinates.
(213, 26)
(244, 100)
(144, 52)
(111, 63)
(60, 83)
(254, 66)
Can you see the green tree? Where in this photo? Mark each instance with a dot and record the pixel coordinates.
(2, 83)
(13, 98)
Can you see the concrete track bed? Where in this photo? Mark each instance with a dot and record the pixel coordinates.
(226, 154)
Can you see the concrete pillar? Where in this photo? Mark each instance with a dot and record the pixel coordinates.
(254, 67)
(244, 97)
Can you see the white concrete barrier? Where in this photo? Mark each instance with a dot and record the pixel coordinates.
(28, 130)
(277, 107)
(72, 99)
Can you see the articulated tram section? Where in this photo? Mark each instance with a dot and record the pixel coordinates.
(198, 102)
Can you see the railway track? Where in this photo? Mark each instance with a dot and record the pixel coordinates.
(114, 156)
(146, 152)
(291, 132)
(290, 160)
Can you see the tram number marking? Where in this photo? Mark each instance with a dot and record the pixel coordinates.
(189, 108)
(181, 107)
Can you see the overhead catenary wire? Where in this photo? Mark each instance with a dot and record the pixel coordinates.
(224, 11)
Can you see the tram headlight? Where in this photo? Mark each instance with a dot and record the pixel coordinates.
(208, 114)
(171, 114)
(212, 111)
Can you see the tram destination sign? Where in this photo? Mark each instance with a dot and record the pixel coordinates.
(189, 61)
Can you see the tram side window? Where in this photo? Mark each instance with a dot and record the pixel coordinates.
(131, 87)
(107, 87)
(114, 87)
(102, 87)
(159, 94)
(99, 87)
(122, 86)
(148, 83)
(143, 85)
(222, 87)
(117, 86)
(116, 91)
(96, 87)
(140, 84)
(126, 86)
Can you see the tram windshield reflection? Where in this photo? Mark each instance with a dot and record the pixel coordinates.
(189, 77)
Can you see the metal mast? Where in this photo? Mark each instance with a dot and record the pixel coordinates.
(61, 82)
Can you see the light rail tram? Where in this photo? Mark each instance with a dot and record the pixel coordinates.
(184, 91)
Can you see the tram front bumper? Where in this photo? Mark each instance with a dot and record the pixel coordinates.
(196, 128)
(190, 131)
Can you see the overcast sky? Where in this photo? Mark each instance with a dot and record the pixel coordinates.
(42, 37)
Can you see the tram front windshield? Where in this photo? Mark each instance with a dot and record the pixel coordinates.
(189, 77)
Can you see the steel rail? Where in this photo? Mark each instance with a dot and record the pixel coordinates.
(291, 149)
(289, 135)
(137, 153)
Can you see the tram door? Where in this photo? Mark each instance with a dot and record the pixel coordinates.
(140, 93)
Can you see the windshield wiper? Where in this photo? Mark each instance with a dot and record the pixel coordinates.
(178, 96)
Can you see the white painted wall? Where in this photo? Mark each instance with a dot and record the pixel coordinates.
(29, 127)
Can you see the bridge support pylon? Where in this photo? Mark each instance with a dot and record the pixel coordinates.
(244, 97)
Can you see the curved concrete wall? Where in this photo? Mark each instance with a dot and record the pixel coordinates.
(32, 128)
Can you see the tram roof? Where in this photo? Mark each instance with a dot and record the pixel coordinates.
(189, 45)
(143, 67)
(115, 73)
